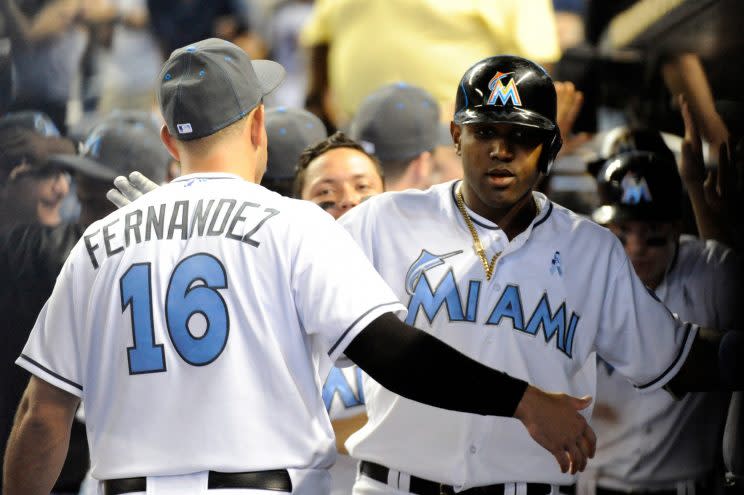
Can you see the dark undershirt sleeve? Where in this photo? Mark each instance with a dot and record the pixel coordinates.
(412, 363)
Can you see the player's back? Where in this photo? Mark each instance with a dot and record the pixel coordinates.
(192, 304)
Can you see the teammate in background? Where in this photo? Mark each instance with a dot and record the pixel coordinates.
(539, 291)
(652, 442)
(399, 124)
(289, 131)
(149, 313)
(337, 174)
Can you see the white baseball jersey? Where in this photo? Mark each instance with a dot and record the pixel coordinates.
(343, 396)
(561, 290)
(655, 440)
(195, 325)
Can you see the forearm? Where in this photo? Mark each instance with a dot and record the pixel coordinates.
(416, 365)
(16, 23)
(39, 440)
(35, 455)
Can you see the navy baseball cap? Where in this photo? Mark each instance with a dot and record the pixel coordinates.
(397, 122)
(113, 149)
(289, 132)
(38, 122)
(206, 86)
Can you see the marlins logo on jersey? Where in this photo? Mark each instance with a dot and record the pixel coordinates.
(502, 93)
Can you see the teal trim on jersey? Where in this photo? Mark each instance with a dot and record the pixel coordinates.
(333, 347)
(55, 375)
(688, 328)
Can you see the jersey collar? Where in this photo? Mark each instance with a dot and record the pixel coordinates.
(546, 208)
(207, 176)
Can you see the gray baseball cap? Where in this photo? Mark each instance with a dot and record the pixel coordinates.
(32, 120)
(397, 122)
(290, 131)
(208, 85)
(114, 149)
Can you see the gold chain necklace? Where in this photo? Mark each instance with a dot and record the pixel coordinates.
(477, 245)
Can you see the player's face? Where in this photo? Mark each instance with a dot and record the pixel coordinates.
(499, 163)
(650, 247)
(340, 179)
(40, 195)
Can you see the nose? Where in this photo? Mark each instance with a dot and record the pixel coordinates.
(61, 185)
(501, 150)
(350, 197)
(635, 245)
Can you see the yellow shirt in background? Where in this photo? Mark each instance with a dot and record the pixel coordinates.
(426, 43)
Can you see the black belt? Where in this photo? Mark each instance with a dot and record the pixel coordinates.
(421, 486)
(571, 490)
(276, 481)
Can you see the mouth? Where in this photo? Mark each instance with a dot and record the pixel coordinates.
(500, 177)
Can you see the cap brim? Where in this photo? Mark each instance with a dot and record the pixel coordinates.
(83, 165)
(501, 115)
(269, 74)
(609, 213)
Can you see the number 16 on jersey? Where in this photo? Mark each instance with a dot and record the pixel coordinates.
(193, 289)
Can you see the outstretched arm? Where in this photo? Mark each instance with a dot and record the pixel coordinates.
(39, 440)
(416, 365)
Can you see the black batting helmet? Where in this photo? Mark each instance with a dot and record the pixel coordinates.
(511, 90)
(639, 185)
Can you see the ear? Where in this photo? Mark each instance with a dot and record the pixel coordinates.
(169, 142)
(455, 131)
(257, 126)
(422, 165)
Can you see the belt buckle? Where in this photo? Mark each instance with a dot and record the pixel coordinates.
(446, 489)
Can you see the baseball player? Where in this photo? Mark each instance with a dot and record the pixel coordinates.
(513, 280)
(196, 322)
(337, 174)
(651, 442)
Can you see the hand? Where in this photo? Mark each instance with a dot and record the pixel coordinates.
(724, 187)
(554, 422)
(691, 166)
(569, 101)
(19, 145)
(129, 189)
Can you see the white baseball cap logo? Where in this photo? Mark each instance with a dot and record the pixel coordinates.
(184, 128)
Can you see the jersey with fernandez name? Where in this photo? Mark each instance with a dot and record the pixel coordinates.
(562, 290)
(196, 324)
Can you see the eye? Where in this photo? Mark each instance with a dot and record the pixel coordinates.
(327, 205)
(362, 187)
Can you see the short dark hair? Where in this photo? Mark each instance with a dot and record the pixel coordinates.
(334, 141)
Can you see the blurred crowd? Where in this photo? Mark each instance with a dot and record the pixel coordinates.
(366, 108)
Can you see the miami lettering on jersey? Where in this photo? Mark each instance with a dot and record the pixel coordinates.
(502, 93)
(337, 385)
(226, 217)
(424, 297)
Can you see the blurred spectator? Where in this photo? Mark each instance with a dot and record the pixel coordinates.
(337, 174)
(31, 189)
(177, 23)
(284, 31)
(289, 131)
(48, 42)
(31, 256)
(447, 163)
(569, 18)
(359, 46)
(399, 124)
(131, 66)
